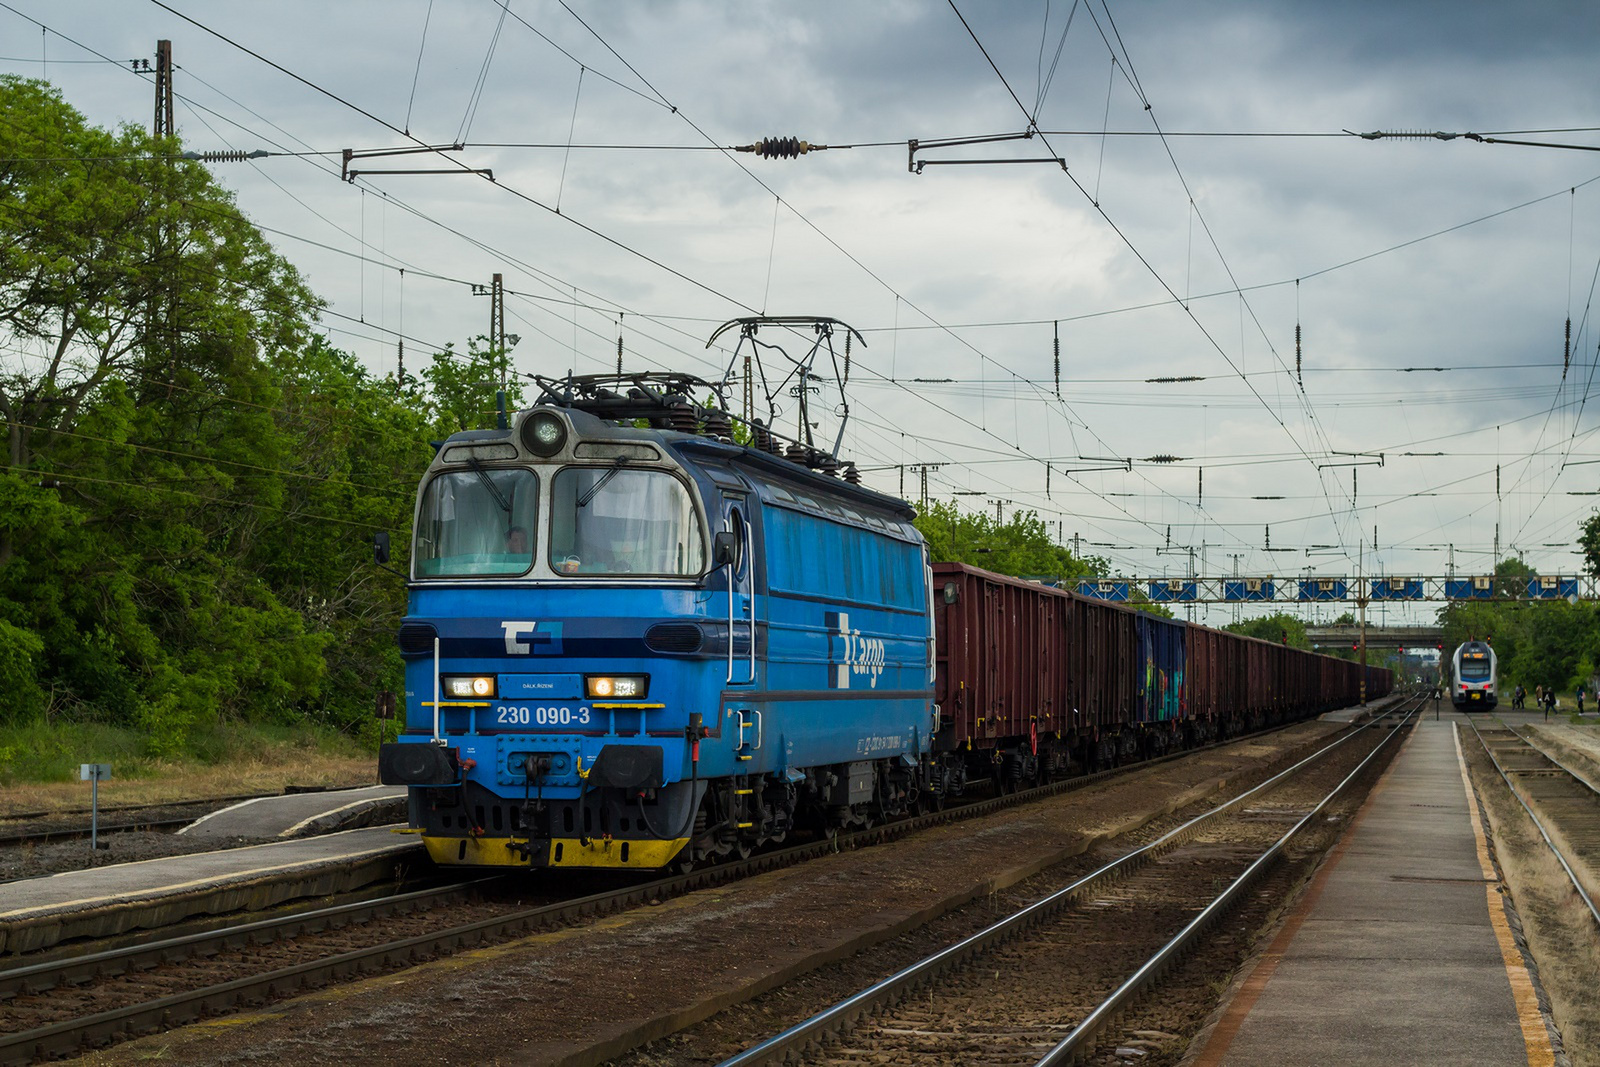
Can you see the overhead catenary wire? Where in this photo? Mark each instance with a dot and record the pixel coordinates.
(914, 325)
(1123, 237)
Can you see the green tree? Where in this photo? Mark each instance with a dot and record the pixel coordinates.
(461, 390)
(1279, 627)
(1020, 546)
(216, 471)
(120, 261)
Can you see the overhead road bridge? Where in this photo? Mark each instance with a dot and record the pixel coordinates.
(1377, 636)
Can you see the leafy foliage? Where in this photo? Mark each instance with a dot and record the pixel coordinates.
(1020, 546)
(192, 475)
(1279, 628)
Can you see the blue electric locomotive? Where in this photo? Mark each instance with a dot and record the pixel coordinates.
(632, 642)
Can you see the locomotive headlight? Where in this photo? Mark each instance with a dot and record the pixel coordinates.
(616, 686)
(467, 686)
(543, 433)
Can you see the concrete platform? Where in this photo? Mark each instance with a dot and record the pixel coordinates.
(36, 913)
(1399, 951)
(304, 814)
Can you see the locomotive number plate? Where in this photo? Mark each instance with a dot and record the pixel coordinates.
(543, 715)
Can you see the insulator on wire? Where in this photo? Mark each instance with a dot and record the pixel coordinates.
(780, 147)
(1297, 377)
(1566, 355)
(1058, 360)
(847, 357)
(236, 156)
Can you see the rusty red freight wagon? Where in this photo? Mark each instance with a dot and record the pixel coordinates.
(1034, 681)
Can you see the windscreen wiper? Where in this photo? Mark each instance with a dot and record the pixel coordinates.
(593, 490)
(488, 483)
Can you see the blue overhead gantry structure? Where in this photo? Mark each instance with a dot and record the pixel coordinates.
(1270, 589)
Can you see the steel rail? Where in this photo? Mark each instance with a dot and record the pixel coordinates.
(68, 832)
(106, 809)
(214, 803)
(1572, 875)
(47, 975)
(1078, 1043)
(842, 1015)
(1579, 778)
(104, 1027)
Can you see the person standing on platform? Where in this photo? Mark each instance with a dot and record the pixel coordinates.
(1579, 695)
(1549, 701)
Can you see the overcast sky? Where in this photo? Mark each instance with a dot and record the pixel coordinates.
(1152, 257)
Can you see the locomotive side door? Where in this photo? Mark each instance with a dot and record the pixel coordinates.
(741, 591)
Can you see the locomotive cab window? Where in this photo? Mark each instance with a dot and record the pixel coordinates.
(1474, 670)
(623, 521)
(737, 528)
(477, 523)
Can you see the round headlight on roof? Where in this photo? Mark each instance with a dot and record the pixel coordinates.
(543, 433)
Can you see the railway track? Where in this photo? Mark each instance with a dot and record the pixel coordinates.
(1563, 805)
(18, 838)
(63, 1006)
(163, 817)
(1030, 986)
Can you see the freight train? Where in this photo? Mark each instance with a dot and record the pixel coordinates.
(635, 641)
(1034, 682)
(1473, 676)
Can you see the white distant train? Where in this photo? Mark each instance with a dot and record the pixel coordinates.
(1473, 676)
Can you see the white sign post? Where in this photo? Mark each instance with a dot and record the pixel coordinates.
(94, 774)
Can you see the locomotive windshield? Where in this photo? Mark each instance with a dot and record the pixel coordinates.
(615, 520)
(477, 523)
(1474, 669)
